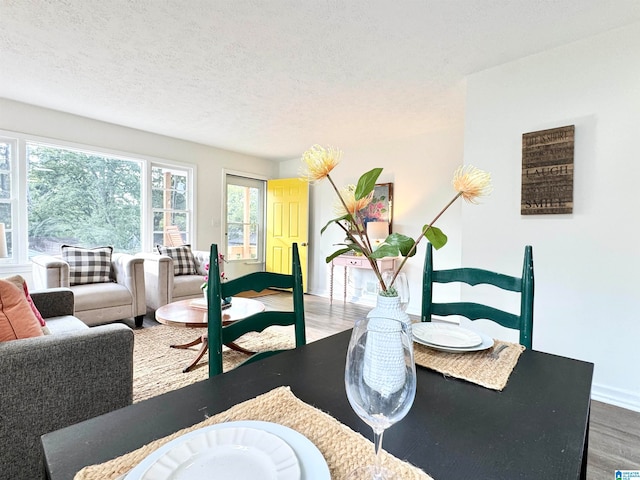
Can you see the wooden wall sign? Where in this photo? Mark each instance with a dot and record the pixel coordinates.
(547, 171)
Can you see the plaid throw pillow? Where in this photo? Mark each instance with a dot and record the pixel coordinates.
(88, 265)
(183, 261)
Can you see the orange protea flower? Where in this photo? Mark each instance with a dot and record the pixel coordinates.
(471, 182)
(320, 161)
(348, 197)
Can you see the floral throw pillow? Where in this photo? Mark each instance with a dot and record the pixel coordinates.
(88, 265)
(184, 262)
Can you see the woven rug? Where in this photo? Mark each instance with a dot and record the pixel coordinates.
(342, 447)
(157, 368)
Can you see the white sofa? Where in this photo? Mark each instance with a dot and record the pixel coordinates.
(163, 287)
(98, 303)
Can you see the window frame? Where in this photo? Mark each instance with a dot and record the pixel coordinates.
(261, 233)
(19, 260)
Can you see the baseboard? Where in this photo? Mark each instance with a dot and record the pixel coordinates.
(616, 396)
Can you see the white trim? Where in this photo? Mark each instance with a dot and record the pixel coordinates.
(616, 396)
(226, 172)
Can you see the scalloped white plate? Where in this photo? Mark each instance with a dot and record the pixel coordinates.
(487, 342)
(445, 335)
(235, 451)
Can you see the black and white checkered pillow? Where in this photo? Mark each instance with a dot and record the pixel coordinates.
(183, 261)
(88, 265)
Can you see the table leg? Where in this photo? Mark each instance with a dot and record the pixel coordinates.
(203, 349)
(331, 287)
(344, 295)
(187, 345)
(204, 341)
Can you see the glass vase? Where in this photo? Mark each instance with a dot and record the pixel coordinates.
(401, 285)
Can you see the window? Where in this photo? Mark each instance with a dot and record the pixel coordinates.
(53, 193)
(7, 152)
(170, 203)
(82, 198)
(245, 218)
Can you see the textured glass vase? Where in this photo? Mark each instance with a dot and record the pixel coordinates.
(384, 368)
(401, 285)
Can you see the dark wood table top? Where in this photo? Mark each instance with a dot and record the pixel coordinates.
(536, 428)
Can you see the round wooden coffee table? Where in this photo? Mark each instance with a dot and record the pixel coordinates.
(192, 313)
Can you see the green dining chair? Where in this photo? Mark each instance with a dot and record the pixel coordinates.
(524, 285)
(219, 335)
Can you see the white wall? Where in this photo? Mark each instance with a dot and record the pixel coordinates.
(421, 169)
(586, 263)
(23, 118)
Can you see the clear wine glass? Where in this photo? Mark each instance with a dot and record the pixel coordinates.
(380, 380)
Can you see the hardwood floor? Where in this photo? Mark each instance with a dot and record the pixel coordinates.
(614, 434)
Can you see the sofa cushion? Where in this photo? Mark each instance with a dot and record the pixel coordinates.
(96, 296)
(20, 282)
(88, 265)
(66, 324)
(183, 261)
(17, 319)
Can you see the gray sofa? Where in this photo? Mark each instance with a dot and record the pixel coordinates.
(54, 381)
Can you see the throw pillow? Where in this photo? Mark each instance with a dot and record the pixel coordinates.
(184, 262)
(16, 317)
(21, 283)
(88, 265)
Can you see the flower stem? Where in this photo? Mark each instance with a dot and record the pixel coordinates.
(421, 236)
(364, 242)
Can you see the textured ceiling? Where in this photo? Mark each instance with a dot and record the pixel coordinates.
(272, 77)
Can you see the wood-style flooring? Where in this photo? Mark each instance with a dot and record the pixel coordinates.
(614, 434)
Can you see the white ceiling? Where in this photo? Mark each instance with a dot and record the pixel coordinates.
(272, 77)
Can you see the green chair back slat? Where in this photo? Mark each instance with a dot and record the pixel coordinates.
(523, 321)
(477, 276)
(219, 335)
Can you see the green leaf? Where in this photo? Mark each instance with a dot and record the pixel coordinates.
(385, 250)
(335, 220)
(367, 183)
(403, 243)
(337, 253)
(436, 237)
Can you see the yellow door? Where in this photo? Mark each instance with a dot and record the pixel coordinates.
(287, 222)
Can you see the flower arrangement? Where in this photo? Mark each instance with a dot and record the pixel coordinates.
(353, 205)
(206, 269)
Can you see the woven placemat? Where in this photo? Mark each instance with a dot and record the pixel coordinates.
(343, 448)
(481, 368)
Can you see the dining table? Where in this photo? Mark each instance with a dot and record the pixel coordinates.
(536, 427)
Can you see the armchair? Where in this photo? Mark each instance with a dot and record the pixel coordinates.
(98, 303)
(163, 287)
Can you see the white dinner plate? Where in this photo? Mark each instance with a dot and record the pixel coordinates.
(235, 450)
(487, 342)
(446, 335)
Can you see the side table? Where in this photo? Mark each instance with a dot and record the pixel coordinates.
(356, 261)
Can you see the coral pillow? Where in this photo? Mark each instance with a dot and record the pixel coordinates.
(16, 317)
(20, 282)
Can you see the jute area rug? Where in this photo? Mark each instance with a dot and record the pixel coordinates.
(157, 368)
